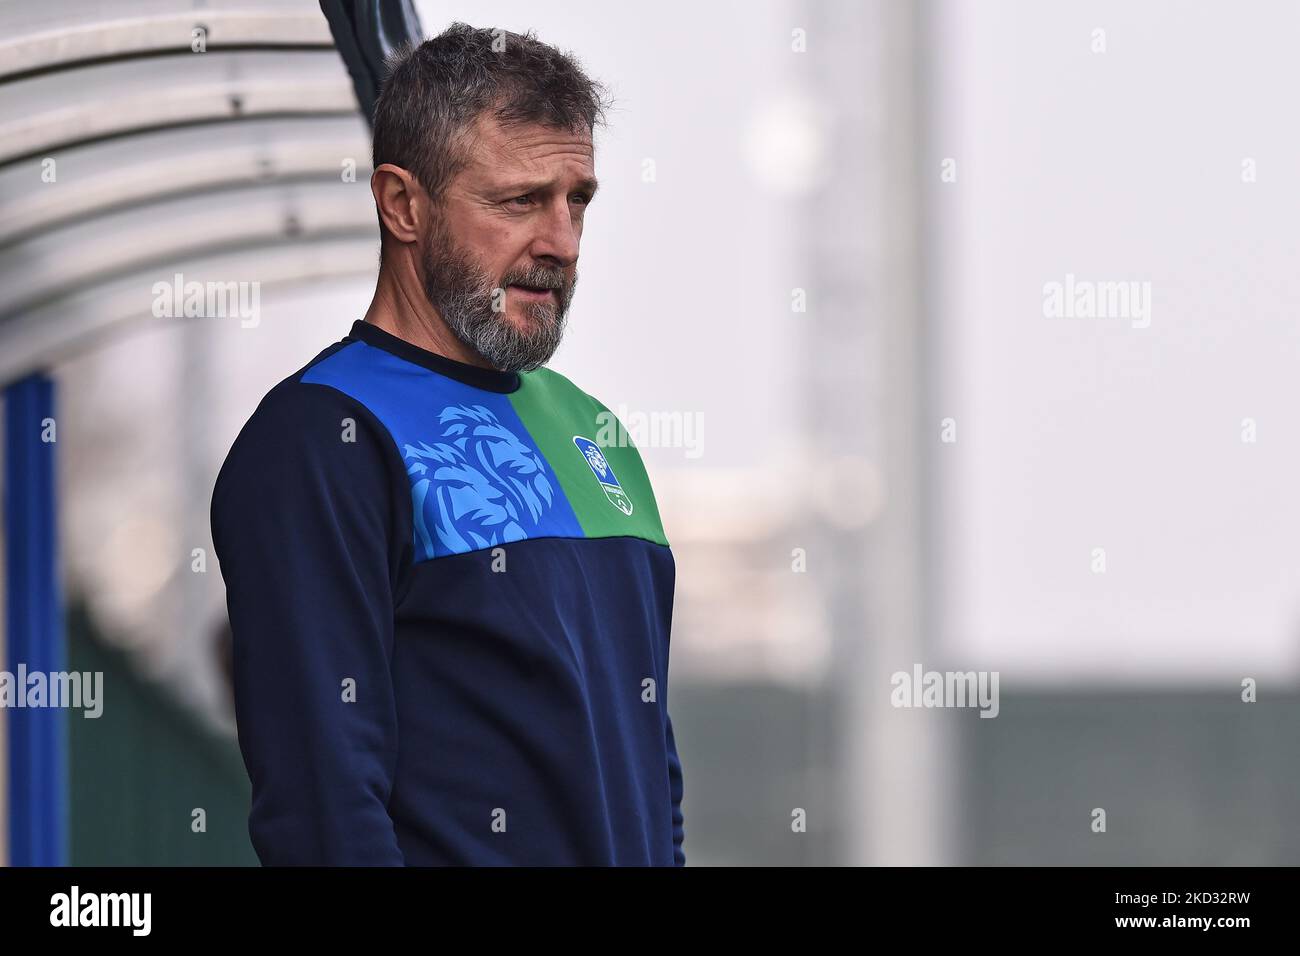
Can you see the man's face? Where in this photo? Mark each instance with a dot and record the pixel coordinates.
(501, 263)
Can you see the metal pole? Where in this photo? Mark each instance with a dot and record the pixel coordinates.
(38, 740)
(366, 33)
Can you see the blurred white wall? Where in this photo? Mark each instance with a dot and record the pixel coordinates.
(1083, 433)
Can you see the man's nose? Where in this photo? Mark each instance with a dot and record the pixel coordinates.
(558, 234)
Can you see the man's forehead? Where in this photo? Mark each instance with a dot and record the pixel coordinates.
(521, 146)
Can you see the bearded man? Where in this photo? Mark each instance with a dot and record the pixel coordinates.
(451, 604)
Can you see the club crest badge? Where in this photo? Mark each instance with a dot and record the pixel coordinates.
(604, 474)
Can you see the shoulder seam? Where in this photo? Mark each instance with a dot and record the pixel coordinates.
(325, 353)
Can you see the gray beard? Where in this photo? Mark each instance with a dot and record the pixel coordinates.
(464, 295)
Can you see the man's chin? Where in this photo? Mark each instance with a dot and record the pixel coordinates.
(526, 315)
(533, 321)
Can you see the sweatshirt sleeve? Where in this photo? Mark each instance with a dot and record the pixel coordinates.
(675, 790)
(305, 530)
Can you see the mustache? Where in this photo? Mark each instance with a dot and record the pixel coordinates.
(537, 279)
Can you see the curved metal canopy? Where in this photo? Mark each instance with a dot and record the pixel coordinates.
(126, 157)
(139, 142)
(47, 36)
(85, 319)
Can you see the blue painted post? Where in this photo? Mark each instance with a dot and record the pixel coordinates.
(38, 738)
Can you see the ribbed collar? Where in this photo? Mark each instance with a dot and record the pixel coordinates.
(490, 379)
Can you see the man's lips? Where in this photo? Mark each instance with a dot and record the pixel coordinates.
(535, 294)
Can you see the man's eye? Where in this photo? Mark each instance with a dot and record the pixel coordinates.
(523, 200)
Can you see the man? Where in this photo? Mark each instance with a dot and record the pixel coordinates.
(449, 588)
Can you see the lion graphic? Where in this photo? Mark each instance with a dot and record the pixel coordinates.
(477, 485)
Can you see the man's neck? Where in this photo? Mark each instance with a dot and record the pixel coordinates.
(406, 314)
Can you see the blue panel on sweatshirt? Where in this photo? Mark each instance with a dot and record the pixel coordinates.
(477, 478)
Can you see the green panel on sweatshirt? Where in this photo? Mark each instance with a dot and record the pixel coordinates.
(598, 467)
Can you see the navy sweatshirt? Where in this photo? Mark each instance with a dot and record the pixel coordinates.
(451, 596)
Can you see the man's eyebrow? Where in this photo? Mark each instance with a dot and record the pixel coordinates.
(589, 185)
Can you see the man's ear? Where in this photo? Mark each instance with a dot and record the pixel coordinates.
(403, 205)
